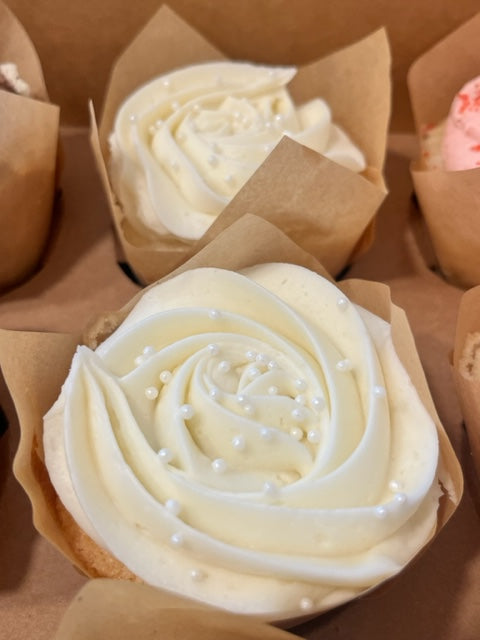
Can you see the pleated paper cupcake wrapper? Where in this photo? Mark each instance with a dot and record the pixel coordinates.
(28, 158)
(449, 200)
(326, 209)
(468, 387)
(35, 366)
(132, 610)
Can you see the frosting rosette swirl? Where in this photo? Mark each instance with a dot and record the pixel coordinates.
(185, 143)
(250, 440)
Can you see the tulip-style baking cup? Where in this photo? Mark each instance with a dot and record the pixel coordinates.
(326, 209)
(466, 367)
(449, 200)
(133, 610)
(35, 366)
(28, 158)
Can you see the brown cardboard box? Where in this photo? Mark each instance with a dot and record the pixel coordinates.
(438, 596)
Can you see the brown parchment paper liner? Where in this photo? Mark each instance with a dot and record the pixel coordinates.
(132, 610)
(468, 388)
(35, 365)
(450, 200)
(28, 157)
(327, 209)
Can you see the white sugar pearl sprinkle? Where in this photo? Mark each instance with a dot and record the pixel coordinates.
(298, 414)
(165, 455)
(214, 314)
(132, 117)
(229, 179)
(238, 443)
(214, 349)
(301, 399)
(381, 512)
(215, 393)
(166, 83)
(266, 433)
(224, 366)
(241, 399)
(261, 358)
(272, 365)
(151, 393)
(400, 498)
(306, 604)
(248, 408)
(342, 303)
(139, 360)
(173, 506)
(250, 355)
(313, 436)
(149, 350)
(300, 384)
(394, 486)
(177, 539)
(219, 465)
(344, 365)
(253, 372)
(165, 376)
(296, 433)
(186, 411)
(197, 575)
(318, 403)
(273, 390)
(270, 489)
(379, 391)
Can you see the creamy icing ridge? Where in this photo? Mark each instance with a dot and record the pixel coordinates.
(250, 440)
(185, 143)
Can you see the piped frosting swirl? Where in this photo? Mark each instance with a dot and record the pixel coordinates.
(250, 440)
(184, 144)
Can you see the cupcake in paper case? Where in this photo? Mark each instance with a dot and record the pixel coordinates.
(248, 440)
(190, 142)
(184, 144)
(446, 104)
(466, 368)
(454, 144)
(28, 154)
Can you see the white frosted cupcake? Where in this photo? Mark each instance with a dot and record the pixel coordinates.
(185, 143)
(248, 440)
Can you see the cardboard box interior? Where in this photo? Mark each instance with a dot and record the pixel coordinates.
(436, 597)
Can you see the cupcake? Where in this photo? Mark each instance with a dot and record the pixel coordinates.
(184, 144)
(290, 144)
(445, 99)
(454, 144)
(10, 80)
(466, 368)
(28, 154)
(248, 440)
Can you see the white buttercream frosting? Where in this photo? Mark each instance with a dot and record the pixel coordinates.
(250, 440)
(184, 144)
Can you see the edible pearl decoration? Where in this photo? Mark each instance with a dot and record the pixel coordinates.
(173, 506)
(344, 365)
(238, 443)
(151, 393)
(165, 376)
(177, 539)
(219, 465)
(165, 455)
(187, 411)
